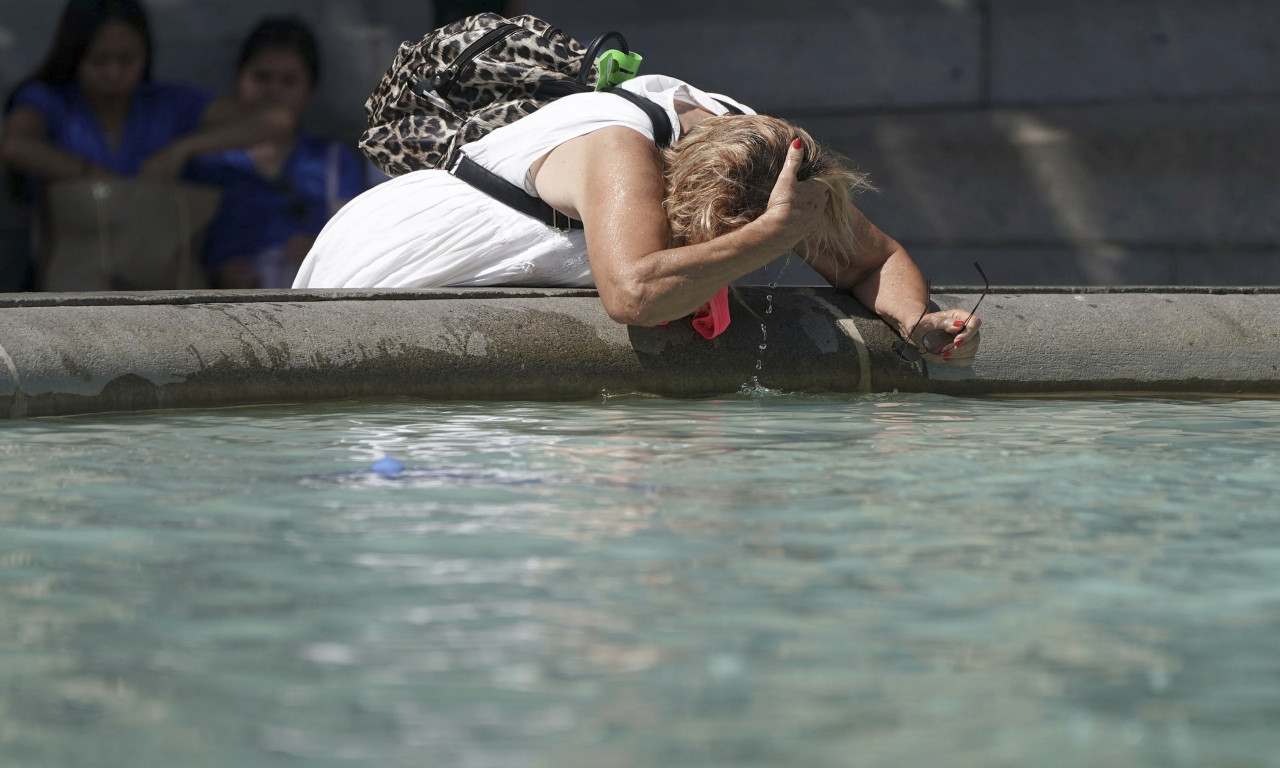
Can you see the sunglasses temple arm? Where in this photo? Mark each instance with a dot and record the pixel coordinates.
(972, 312)
(986, 287)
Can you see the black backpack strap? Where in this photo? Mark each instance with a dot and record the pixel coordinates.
(732, 109)
(505, 192)
(662, 132)
(593, 51)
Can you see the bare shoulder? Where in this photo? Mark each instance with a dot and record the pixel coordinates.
(605, 164)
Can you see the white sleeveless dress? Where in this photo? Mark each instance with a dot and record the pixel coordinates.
(428, 229)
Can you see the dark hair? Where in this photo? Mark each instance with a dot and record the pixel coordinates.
(80, 22)
(283, 32)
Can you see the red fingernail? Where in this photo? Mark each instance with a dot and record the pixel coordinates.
(958, 323)
(796, 144)
(946, 355)
(959, 342)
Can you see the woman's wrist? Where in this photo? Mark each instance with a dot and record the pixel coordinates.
(903, 320)
(774, 231)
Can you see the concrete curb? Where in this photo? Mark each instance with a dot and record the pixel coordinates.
(82, 353)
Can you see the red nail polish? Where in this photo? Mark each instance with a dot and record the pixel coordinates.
(959, 342)
(796, 144)
(958, 323)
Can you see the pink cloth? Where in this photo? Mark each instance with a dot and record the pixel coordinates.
(712, 318)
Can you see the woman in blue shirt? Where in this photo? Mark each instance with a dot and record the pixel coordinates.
(92, 109)
(277, 194)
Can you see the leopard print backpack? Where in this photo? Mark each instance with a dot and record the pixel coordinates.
(463, 80)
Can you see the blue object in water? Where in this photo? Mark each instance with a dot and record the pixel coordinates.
(387, 466)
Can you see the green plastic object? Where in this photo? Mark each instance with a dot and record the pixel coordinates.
(616, 67)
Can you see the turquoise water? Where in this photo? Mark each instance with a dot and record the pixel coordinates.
(895, 580)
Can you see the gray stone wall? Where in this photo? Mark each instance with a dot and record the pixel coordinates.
(1056, 141)
(1084, 142)
(826, 55)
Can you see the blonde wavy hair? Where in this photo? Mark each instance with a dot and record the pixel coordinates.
(720, 174)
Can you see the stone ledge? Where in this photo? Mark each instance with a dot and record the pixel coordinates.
(258, 296)
(121, 352)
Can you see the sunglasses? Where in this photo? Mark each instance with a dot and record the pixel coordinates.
(936, 340)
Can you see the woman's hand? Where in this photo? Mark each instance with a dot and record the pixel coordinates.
(795, 206)
(951, 340)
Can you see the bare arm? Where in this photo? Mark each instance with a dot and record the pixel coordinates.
(611, 179)
(25, 148)
(879, 273)
(883, 277)
(224, 125)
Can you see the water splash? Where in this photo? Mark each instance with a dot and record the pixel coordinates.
(757, 390)
(754, 386)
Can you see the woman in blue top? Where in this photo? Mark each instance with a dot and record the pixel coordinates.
(277, 194)
(92, 109)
